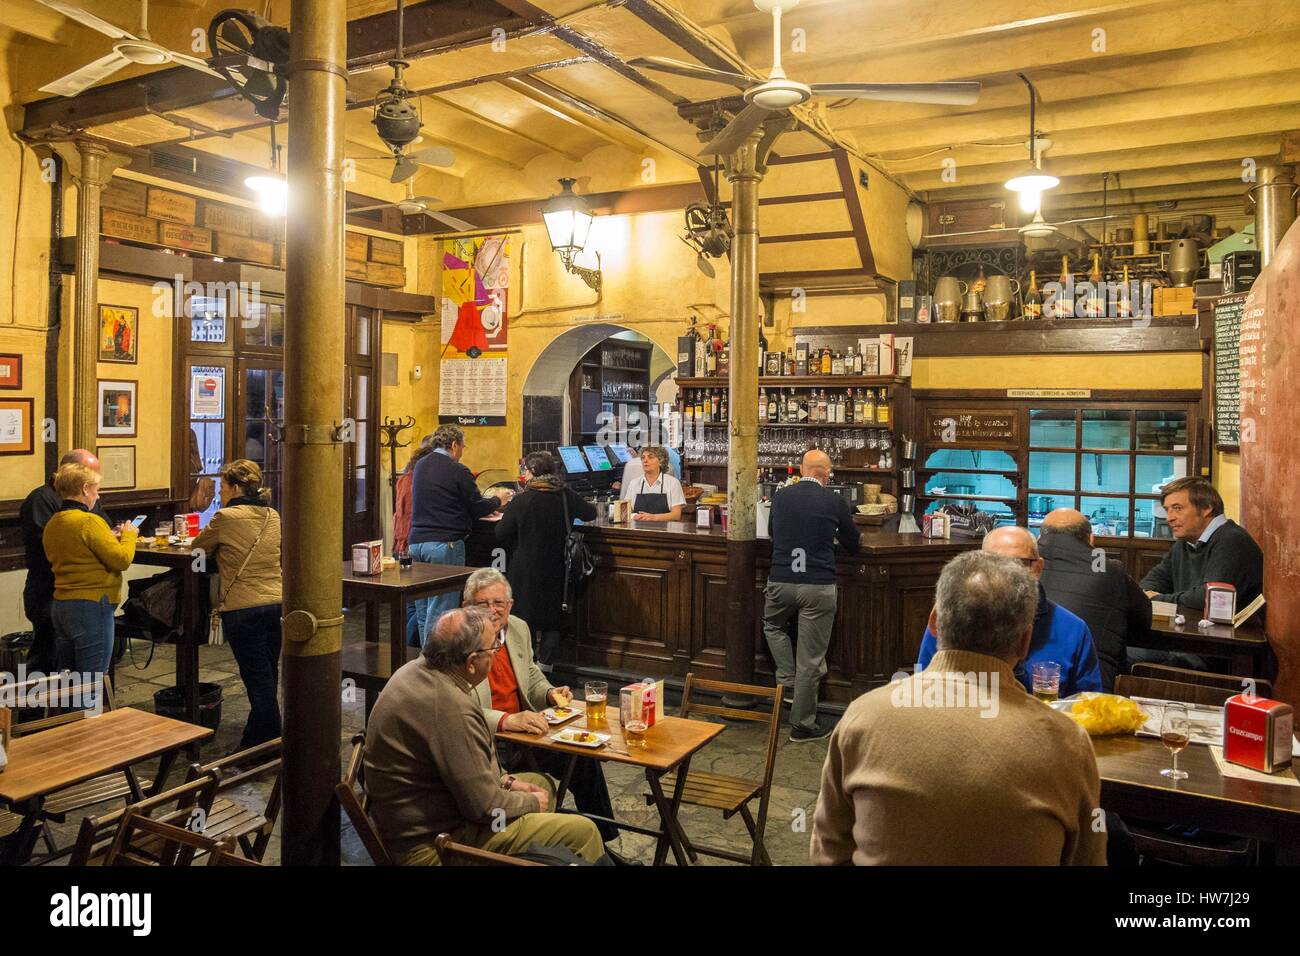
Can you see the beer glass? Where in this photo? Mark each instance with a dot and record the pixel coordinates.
(634, 733)
(1047, 680)
(595, 693)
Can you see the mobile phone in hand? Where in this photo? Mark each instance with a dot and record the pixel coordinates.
(138, 520)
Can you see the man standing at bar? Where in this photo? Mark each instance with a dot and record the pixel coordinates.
(807, 518)
(445, 503)
(38, 590)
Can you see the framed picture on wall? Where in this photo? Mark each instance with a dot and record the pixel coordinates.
(118, 326)
(117, 408)
(117, 465)
(11, 371)
(17, 435)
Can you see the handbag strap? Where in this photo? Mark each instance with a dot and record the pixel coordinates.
(266, 522)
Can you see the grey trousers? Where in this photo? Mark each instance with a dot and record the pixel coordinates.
(815, 605)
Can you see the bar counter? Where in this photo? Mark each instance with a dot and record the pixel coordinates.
(656, 605)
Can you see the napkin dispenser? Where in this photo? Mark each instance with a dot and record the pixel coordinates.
(1220, 602)
(368, 557)
(1257, 732)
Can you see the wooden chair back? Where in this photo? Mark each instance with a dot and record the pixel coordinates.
(770, 715)
(260, 762)
(42, 687)
(458, 854)
(1185, 675)
(143, 841)
(1127, 685)
(177, 806)
(357, 807)
(225, 855)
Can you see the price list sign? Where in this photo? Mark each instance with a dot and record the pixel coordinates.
(1227, 369)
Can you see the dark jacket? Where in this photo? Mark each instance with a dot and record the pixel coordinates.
(1231, 555)
(1098, 590)
(445, 502)
(36, 510)
(532, 531)
(810, 517)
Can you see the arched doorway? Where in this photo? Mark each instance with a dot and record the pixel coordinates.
(546, 389)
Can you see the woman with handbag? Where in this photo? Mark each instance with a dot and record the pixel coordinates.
(244, 538)
(533, 529)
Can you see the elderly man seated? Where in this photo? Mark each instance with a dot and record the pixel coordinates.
(514, 692)
(431, 766)
(1059, 635)
(957, 765)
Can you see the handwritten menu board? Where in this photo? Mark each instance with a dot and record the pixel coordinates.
(962, 428)
(1254, 373)
(1227, 369)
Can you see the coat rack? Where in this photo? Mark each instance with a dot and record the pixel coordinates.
(388, 435)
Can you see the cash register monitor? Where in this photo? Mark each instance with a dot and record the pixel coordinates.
(620, 451)
(597, 457)
(572, 458)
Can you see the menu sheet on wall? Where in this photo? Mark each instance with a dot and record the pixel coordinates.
(472, 392)
(476, 287)
(1227, 369)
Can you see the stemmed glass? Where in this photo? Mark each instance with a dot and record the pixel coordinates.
(1175, 733)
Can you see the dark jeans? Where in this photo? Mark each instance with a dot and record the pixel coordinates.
(253, 634)
(83, 635)
(590, 793)
(38, 609)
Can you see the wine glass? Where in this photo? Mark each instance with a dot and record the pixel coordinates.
(1175, 733)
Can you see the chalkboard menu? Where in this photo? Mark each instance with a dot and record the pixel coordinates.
(963, 428)
(1227, 369)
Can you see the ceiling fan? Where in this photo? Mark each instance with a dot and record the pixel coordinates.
(253, 55)
(414, 205)
(129, 48)
(1036, 228)
(708, 230)
(778, 92)
(405, 163)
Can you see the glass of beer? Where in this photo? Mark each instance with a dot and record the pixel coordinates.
(596, 693)
(634, 733)
(1047, 680)
(1175, 733)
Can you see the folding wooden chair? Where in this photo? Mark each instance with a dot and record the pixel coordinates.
(141, 840)
(234, 822)
(357, 807)
(458, 854)
(732, 795)
(1185, 675)
(187, 806)
(226, 855)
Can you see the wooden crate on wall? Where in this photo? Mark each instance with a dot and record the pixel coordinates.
(125, 195)
(173, 207)
(125, 225)
(193, 238)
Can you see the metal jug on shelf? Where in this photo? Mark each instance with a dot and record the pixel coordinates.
(972, 307)
(999, 297)
(948, 292)
(1184, 262)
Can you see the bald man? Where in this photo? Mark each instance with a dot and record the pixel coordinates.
(807, 519)
(38, 590)
(1059, 635)
(1078, 576)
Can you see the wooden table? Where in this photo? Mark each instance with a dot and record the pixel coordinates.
(193, 631)
(669, 745)
(1131, 785)
(52, 760)
(1246, 647)
(371, 664)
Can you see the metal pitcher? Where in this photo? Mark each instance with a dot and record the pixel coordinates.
(972, 307)
(999, 295)
(948, 292)
(1184, 262)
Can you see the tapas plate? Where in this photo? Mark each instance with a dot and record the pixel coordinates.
(560, 715)
(577, 737)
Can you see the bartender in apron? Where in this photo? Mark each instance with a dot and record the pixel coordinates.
(656, 495)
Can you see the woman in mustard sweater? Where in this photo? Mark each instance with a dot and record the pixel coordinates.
(88, 560)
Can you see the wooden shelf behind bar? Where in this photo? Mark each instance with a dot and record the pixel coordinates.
(883, 426)
(800, 381)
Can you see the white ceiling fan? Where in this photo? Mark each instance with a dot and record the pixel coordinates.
(129, 48)
(779, 92)
(414, 205)
(1036, 228)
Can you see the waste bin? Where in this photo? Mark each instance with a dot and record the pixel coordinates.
(170, 702)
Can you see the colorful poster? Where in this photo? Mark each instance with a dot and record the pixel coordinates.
(475, 306)
(118, 326)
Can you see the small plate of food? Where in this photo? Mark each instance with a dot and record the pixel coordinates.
(560, 714)
(581, 738)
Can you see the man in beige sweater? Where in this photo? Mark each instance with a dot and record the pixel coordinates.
(431, 763)
(958, 765)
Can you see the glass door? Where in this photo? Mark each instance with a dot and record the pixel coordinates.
(261, 414)
(361, 473)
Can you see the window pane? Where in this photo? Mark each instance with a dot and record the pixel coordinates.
(361, 444)
(254, 392)
(207, 319)
(362, 407)
(275, 325)
(359, 482)
(1104, 473)
(362, 333)
(992, 486)
(1051, 428)
(1156, 470)
(207, 447)
(973, 459)
(1163, 429)
(1051, 469)
(1105, 429)
(254, 324)
(255, 441)
(1149, 520)
(207, 391)
(277, 396)
(1109, 516)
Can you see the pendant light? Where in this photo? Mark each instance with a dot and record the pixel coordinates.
(271, 188)
(1032, 181)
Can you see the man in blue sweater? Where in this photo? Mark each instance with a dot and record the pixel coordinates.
(1059, 635)
(445, 503)
(807, 518)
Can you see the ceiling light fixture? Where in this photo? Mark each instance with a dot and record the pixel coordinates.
(272, 189)
(568, 220)
(1033, 180)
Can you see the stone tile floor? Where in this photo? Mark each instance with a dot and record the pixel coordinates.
(739, 751)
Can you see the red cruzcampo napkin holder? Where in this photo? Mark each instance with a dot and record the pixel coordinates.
(1257, 732)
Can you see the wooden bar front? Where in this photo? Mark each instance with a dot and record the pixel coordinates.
(656, 605)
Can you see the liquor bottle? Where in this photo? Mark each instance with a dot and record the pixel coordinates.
(1124, 301)
(1065, 298)
(762, 405)
(857, 362)
(837, 364)
(826, 361)
(882, 407)
(792, 408)
(1033, 299)
(839, 410)
(773, 407)
(868, 407)
(1097, 298)
(822, 408)
(789, 361)
(716, 401)
(724, 416)
(689, 412)
(849, 408)
(762, 348)
(802, 410)
(699, 407)
(710, 360)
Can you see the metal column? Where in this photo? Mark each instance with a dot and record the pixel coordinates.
(313, 472)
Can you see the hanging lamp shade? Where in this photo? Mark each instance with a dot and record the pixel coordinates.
(1032, 179)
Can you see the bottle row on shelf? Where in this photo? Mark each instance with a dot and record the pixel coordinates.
(778, 406)
(863, 449)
